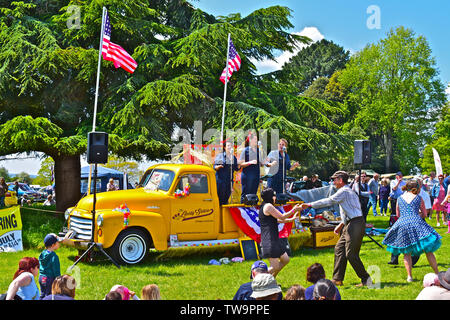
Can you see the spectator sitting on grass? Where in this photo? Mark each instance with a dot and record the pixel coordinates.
(295, 292)
(23, 286)
(126, 293)
(314, 273)
(436, 290)
(113, 295)
(49, 201)
(324, 289)
(63, 288)
(245, 291)
(265, 287)
(151, 292)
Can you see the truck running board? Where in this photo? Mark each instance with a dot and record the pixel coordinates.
(202, 243)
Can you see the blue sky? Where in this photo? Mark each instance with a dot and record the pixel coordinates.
(345, 22)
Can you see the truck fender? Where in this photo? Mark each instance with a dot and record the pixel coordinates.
(151, 222)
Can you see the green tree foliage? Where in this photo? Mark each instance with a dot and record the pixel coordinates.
(320, 59)
(440, 142)
(129, 167)
(393, 87)
(24, 177)
(48, 74)
(44, 176)
(4, 173)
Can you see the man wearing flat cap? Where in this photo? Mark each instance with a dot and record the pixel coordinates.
(352, 226)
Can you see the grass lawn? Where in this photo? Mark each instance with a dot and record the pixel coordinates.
(184, 274)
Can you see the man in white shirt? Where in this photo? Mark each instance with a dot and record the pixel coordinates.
(352, 226)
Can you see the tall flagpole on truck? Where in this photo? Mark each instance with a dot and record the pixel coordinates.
(225, 91)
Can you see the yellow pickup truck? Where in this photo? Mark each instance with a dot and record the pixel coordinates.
(160, 216)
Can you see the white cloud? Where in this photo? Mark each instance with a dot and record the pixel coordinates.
(266, 66)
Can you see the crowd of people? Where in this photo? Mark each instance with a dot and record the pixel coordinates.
(410, 202)
(384, 192)
(53, 285)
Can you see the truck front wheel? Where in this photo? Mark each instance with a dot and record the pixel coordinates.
(130, 247)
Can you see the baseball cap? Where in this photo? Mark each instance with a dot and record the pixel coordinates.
(399, 173)
(258, 264)
(51, 239)
(264, 285)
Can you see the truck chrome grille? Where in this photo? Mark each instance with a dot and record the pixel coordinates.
(82, 227)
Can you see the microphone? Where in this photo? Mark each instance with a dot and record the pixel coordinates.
(284, 148)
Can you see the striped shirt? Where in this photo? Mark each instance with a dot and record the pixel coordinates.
(347, 200)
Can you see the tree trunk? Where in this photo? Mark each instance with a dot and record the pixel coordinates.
(387, 136)
(67, 181)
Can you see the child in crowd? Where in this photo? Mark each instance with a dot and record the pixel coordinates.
(63, 288)
(295, 292)
(383, 194)
(324, 290)
(314, 273)
(151, 292)
(126, 293)
(49, 264)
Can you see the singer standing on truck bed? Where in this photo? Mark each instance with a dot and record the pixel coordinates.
(277, 171)
(250, 162)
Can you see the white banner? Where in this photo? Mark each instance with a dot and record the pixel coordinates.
(437, 162)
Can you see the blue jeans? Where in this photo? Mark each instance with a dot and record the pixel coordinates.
(46, 286)
(2, 201)
(373, 202)
(383, 205)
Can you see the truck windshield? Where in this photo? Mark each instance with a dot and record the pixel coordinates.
(159, 179)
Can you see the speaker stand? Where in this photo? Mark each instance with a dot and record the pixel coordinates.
(92, 244)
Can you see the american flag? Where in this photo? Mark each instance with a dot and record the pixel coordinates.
(234, 63)
(115, 53)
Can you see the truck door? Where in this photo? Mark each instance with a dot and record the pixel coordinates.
(194, 217)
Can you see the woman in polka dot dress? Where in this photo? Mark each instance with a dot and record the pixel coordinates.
(411, 234)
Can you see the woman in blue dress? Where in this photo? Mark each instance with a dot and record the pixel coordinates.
(249, 161)
(411, 234)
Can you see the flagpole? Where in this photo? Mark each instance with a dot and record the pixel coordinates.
(225, 91)
(96, 89)
(98, 67)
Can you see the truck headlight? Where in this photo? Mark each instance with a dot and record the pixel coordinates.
(100, 220)
(67, 213)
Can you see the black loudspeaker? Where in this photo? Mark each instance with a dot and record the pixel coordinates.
(282, 198)
(362, 152)
(251, 199)
(97, 148)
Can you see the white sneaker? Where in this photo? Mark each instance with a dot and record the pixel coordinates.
(409, 279)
